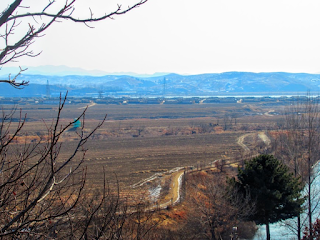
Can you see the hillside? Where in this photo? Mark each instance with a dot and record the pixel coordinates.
(212, 84)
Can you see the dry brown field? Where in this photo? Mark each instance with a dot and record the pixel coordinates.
(137, 141)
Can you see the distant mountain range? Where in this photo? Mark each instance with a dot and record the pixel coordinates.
(212, 84)
(49, 70)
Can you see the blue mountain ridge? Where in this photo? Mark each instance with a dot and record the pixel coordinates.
(209, 84)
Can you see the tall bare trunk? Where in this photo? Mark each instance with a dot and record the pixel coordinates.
(309, 199)
(268, 231)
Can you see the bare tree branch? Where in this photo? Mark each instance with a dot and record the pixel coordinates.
(6, 13)
(34, 24)
(37, 186)
(13, 81)
(70, 6)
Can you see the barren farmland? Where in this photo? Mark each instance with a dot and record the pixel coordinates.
(137, 141)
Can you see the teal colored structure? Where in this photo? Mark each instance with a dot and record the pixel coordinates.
(77, 123)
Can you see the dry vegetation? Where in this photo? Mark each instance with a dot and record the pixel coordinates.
(139, 141)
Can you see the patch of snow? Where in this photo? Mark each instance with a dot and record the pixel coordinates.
(179, 188)
(155, 176)
(155, 193)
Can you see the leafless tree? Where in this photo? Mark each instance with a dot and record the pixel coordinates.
(101, 216)
(227, 121)
(142, 221)
(235, 116)
(31, 23)
(140, 130)
(298, 146)
(43, 194)
(291, 147)
(217, 209)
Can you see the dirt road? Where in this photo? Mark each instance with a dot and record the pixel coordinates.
(174, 193)
(264, 138)
(90, 105)
(261, 135)
(175, 188)
(240, 142)
(268, 113)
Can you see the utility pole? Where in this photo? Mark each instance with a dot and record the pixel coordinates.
(48, 89)
(164, 88)
(234, 234)
(100, 94)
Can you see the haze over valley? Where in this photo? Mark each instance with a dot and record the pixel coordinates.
(81, 83)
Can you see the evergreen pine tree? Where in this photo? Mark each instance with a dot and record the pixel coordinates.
(276, 191)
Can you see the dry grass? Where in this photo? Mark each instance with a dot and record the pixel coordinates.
(139, 140)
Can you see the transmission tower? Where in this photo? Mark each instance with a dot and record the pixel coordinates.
(100, 94)
(48, 89)
(164, 87)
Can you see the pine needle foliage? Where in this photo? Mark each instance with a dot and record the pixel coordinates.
(274, 188)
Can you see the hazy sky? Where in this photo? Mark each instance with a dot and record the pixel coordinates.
(189, 37)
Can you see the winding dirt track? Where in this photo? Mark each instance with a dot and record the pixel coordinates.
(240, 142)
(175, 185)
(90, 105)
(174, 192)
(261, 135)
(268, 113)
(173, 196)
(264, 138)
